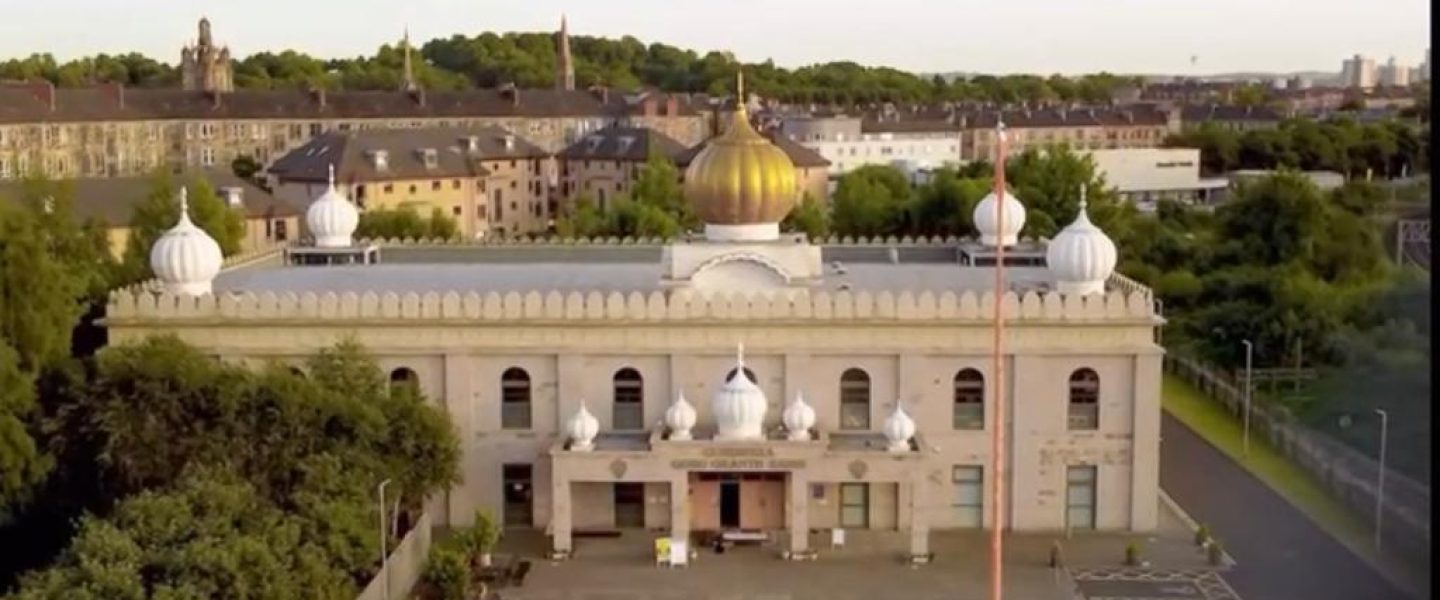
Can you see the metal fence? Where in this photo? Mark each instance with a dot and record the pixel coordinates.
(1348, 474)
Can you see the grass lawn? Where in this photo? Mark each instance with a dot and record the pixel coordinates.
(1210, 420)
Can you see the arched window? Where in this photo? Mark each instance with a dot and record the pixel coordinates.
(515, 399)
(854, 399)
(628, 411)
(404, 378)
(1084, 400)
(969, 399)
(748, 375)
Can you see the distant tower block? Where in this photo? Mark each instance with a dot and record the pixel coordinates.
(205, 66)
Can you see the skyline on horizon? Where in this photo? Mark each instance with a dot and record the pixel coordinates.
(1333, 31)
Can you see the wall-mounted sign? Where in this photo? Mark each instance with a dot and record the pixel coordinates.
(736, 464)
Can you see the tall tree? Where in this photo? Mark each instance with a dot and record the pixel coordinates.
(159, 212)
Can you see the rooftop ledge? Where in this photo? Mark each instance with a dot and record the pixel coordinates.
(142, 303)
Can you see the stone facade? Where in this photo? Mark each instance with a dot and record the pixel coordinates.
(570, 346)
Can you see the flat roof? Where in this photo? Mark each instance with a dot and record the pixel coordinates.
(502, 269)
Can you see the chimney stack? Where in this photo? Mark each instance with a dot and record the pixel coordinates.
(418, 96)
(318, 94)
(672, 106)
(116, 91)
(648, 105)
(44, 91)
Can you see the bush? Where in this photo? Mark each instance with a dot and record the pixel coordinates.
(447, 571)
(1132, 553)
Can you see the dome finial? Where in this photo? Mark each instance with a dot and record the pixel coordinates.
(331, 175)
(740, 89)
(1082, 198)
(740, 355)
(184, 205)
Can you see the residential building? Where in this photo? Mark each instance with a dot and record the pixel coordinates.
(604, 164)
(491, 181)
(111, 202)
(1394, 75)
(852, 142)
(1358, 72)
(739, 380)
(1234, 118)
(1139, 126)
(111, 131)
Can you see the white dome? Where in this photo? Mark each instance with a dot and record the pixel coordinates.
(582, 429)
(1081, 257)
(332, 219)
(680, 418)
(185, 258)
(798, 418)
(987, 224)
(739, 406)
(899, 428)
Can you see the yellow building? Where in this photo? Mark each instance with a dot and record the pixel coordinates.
(491, 181)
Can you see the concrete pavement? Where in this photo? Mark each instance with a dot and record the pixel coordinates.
(1281, 554)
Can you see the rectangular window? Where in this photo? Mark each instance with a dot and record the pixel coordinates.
(454, 184)
(281, 231)
(855, 404)
(969, 501)
(455, 210)
(435, 186)
(854, 505)
(629, 409)
(515, 405)
(1084, 404)
(207, 157)
(1080, 497)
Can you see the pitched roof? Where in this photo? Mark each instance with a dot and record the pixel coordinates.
(622, 143)
(453, 151)
(112, 200)
(800, 155)
(40, 102)
(1227, 112)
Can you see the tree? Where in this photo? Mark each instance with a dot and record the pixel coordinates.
(944, 205)
(406, 223)
(245, 166)
(22, 464)
(658, 185)
(582, 220)
(811, 217)
(159, 212)
(868, 201)
(46, 273)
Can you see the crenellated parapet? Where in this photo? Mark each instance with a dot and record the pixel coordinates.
(832, 240)
(140, 304)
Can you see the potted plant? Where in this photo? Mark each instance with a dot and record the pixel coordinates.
(1132, 554)
(447, 572)
(481, 538)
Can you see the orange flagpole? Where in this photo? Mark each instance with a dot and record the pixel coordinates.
(997, 439)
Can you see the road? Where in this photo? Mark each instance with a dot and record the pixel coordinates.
(1280, 553)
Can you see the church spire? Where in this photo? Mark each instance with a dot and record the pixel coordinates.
(407, 83)
(565, 65)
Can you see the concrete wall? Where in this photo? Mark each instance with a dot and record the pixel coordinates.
(404, 565)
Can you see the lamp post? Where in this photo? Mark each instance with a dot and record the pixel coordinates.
(384, 555)
(1380, 485)
(1245, 438)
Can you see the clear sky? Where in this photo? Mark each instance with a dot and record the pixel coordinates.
(991, 36)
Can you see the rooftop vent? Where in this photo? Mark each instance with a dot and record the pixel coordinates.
(471, 143)
(430, 157)
(838, 268)
(509, 142)
(380, 159)
(234, 196)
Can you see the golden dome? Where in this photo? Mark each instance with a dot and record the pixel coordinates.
(741, 178)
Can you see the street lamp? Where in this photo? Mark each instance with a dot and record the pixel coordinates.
(1380, 486)
(1245, 440)
(384, 555)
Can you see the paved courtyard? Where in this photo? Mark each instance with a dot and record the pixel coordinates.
(871, 566)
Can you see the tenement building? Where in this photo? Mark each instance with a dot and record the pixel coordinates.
(110, 130)
(491, 181)
(741, 380)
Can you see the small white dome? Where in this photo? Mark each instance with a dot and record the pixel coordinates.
(798, 418)
(899, 428)
(1081, 257)
(739, 406)
(987, 222)
(332, 219)
(680, 418)
(582, 429)
(185, 258)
